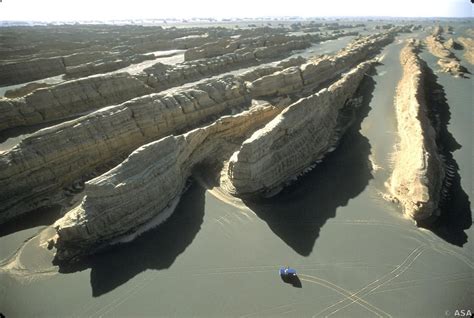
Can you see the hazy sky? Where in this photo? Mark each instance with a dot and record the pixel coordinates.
(48, 10)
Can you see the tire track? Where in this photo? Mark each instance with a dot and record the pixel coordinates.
(366, 290)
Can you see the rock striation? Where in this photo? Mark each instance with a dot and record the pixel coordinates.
(418, 171)
(25, 90)
(448, 62)
(143, 186)
(231, 45)
(106, 65)
(33, 172)
(75, 97)
(294, 140)
(468, 46)
(317, 71)
(34, 69)
(69, 99)
(36, 171)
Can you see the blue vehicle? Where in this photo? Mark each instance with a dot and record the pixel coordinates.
(287, 271)
(289, 276)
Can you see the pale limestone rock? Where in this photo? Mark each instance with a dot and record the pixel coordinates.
(418, 171)
(448, 62)
(106, 65)
(141, 187)
(468, 46)
(36, 169)
(302, 134)
(26, 71)
(316, 71)
(78, 96)
(24, 90)
(69, 98)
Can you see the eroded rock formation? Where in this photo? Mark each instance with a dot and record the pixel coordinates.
(34, 173)
(78, 96)
(319, 70)
(39, 166)
(468, 46)
(298, 137)
(69, 98)
(154, 175)
(24, 90)
(418, 170)
(448, 62)
(106, 65)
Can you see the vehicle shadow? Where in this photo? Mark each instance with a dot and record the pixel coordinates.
(293, 280)
(297, 213)
(155, 249)
(456, 214)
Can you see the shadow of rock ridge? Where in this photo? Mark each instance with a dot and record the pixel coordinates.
(456, 215)
(297, 213)
(156, 249)
(40, 217)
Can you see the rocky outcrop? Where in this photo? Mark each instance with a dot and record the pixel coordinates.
(35, 171)
(294, 140)
(106, 65)
(230, 45)
(269, 45)
(448, 62)
(418, 172)
(161, 76)
(468, 46)
(25, 90)
(69, 98)
(26, 71)
(75, 97)
(450, 44)
(144, 186)
(317, 71)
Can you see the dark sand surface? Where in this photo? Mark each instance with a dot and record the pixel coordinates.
(355, 254)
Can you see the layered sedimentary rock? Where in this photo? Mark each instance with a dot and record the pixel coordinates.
(24, 90)
(106, 65)
(269, 44)
(39, 166)
(450, 44)
(161, 76)
(51, 51)
(138, 190)
(418, 171)
(468, 46)
(78, 96)
(317, 71)
(302, 134)
(26, 71)
(35, 171)
(448, 62)
(69, 98)
(230, 45)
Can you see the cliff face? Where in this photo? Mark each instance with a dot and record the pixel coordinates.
(75, 97)
(316, 71)
(36, 171)
(448, 62)
(418, 171)
(55, 157)
(144, 187)
(141, 188)
(299, 136)
(269, 44)
(245, 44)
(70, 98)
(468, 46)
(21, 72)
